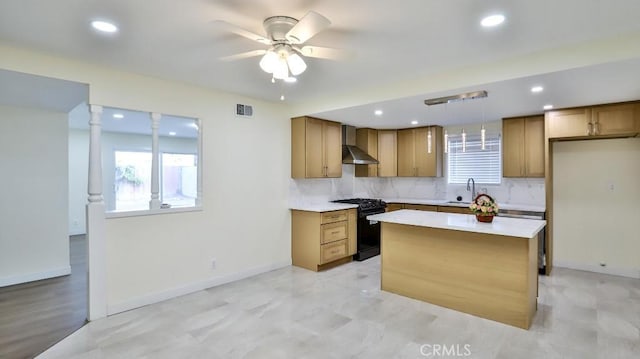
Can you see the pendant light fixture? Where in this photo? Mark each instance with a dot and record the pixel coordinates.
(483, 132)
(429, 141)
(464, 141)
(446, 142)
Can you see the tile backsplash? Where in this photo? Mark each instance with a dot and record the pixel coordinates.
(528, 191)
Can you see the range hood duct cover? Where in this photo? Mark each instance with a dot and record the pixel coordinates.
(351, 154)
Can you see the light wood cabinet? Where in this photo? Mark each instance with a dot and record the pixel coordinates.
(367, 140)
(394, 207)
(452, 209)
(414, 158)
(572, 122)
(421, 207)
(316, 148)
(321, 240)
(387, 153)
(614, 120)
(523, 147)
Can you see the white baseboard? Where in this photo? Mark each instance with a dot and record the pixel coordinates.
(160, 296)
(30, 277)
(619, 271)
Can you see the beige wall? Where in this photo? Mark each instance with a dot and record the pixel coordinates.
(245, 221)
(596, 194)
(34, 240)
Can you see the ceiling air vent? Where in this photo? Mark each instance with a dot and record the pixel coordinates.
(244, 110)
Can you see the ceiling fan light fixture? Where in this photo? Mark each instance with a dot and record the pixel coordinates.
(269, 62)
(281, 70)
(296, 64)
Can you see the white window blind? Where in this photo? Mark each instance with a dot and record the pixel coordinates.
(484, 166)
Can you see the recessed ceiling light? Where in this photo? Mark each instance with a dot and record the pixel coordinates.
(281, 97)
(118, 115)
(536, 89)
(492, 20)
(414, 122)
(104, 26)
(547, 107)
(378, 112)
(172, 133)
(291, 80)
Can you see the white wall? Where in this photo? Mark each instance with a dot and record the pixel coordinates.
(34, 241)
(245, 221)
(78, 180)
(596, 191)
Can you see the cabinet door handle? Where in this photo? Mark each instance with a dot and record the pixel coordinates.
(335, 232)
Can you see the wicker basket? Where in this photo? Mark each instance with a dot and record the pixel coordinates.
(483, 218)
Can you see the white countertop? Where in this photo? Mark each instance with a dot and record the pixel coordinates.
(322, 207)
(444, 202)
(514, 227)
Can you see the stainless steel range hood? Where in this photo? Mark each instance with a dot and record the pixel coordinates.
(351, 154)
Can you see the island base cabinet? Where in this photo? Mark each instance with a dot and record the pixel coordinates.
(321, 240)
(490, 276)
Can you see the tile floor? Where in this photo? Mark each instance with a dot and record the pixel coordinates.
(341, 313)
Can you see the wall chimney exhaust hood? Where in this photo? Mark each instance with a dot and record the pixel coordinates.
(351, 154)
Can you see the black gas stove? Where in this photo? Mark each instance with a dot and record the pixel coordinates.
(366, 204)
(368, 231)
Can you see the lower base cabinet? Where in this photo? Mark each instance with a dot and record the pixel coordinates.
(321, 240)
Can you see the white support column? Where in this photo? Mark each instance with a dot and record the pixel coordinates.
(155, 162)
(199, 164)
(96, 224)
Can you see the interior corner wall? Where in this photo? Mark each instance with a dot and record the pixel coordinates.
(78, 180)
(34, 241)
(595, 205)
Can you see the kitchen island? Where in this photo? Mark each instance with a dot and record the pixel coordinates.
(486, 269)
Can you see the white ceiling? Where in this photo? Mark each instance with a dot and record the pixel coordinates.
(390, 41)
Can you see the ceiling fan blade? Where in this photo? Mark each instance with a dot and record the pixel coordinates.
(244, 55)
(311, 24)
(325, 53)
(242, 32)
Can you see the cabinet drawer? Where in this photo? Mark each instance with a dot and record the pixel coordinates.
(333, 231)
(331, 251)
(335, 216)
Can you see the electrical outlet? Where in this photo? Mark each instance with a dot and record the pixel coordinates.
(213, 263)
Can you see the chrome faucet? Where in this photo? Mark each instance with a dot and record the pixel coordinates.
(472, 188)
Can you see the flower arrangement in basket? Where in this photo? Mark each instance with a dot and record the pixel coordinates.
(484, 207)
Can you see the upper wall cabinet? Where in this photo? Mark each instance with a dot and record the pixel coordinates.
(316, 148)
(420, 152)
(367, 140)
(387, 153)
(523, 147)
(616, 120)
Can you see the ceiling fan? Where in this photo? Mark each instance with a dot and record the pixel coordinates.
(285, 37)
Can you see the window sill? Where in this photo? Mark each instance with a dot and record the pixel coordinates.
(152, 212)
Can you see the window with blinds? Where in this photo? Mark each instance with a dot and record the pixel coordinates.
(484, 166)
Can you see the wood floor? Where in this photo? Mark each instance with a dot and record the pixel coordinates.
(36, 315)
